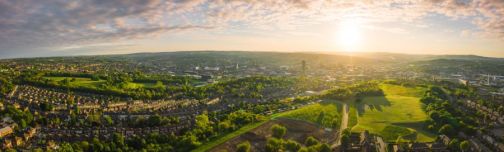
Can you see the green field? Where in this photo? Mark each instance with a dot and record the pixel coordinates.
(87, 82)
(326, 114)
(352, 116)
(398, 113)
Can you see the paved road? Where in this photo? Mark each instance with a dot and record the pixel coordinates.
(344, 124)
(13, 91)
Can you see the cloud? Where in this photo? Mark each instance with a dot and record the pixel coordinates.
(32, 24)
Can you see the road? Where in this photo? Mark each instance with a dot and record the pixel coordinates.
(344, 124)
(13, 91)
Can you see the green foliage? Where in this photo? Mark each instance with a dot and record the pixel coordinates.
(358, 90)
(278, 131)
(393, 132)
(22, 117)
(399, 113)
(273, 145)
(454, 145)
(325, 148)
(5, 86)
(243, 147)
(311, 141)
(447, 129)
(464, 145)
(326, 114)
(292, 145)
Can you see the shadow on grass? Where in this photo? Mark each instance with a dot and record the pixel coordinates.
(419, 126)
(372, 103)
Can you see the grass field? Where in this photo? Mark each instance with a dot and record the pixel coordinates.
(326, 114)
(87, 82)
(398, 113)
(352, 116)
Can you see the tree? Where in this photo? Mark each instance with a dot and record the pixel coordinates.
(310, 141)
(447, 129)
(202, 121)
(273, 145)
(278, 131)
(464, 145)
(65, 147)
(108, 120)
(118, 139)
(84, 145)
(454, 145)
(243, 147)
(325, 148)
(154, 120)
(292, 145)
(320, 118)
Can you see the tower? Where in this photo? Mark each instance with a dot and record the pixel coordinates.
(303, 66)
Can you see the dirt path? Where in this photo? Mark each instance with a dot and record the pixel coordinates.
(344, 124)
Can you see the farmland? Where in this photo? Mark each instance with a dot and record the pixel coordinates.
(397, 114)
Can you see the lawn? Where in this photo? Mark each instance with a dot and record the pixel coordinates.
(88, 83)
(352, 116)
(398, 113)
(326, 114)
(85, 82)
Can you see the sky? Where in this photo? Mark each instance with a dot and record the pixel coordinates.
(32, 28)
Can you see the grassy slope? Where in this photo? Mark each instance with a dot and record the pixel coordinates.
(311, 113)
(352, 116)
(400, 108)
(87, 82)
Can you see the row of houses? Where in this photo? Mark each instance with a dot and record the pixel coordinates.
(13, 140)
(87, 133)
(366, 142)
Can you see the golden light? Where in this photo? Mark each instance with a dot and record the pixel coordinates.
(349, 35)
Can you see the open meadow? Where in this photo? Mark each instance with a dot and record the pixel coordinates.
(326, 114)
(397, 114)
(89, 83)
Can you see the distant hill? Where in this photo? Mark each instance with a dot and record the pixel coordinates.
(424, 63)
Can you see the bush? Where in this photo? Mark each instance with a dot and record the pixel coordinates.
(292, 145)
(243, 147)
(325, 148)
(310, 141)
(278, 131)
(273, 145)
(447, 129)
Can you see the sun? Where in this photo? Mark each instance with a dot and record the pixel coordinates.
(349, 35)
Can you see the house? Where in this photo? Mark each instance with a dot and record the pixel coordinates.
(362, 142)
(419, 147)
(18, 141)
(6, 131)
(439, 147)
(7, 144)
(444, 139)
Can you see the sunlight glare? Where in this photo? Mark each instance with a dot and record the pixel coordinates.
(349, 35)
